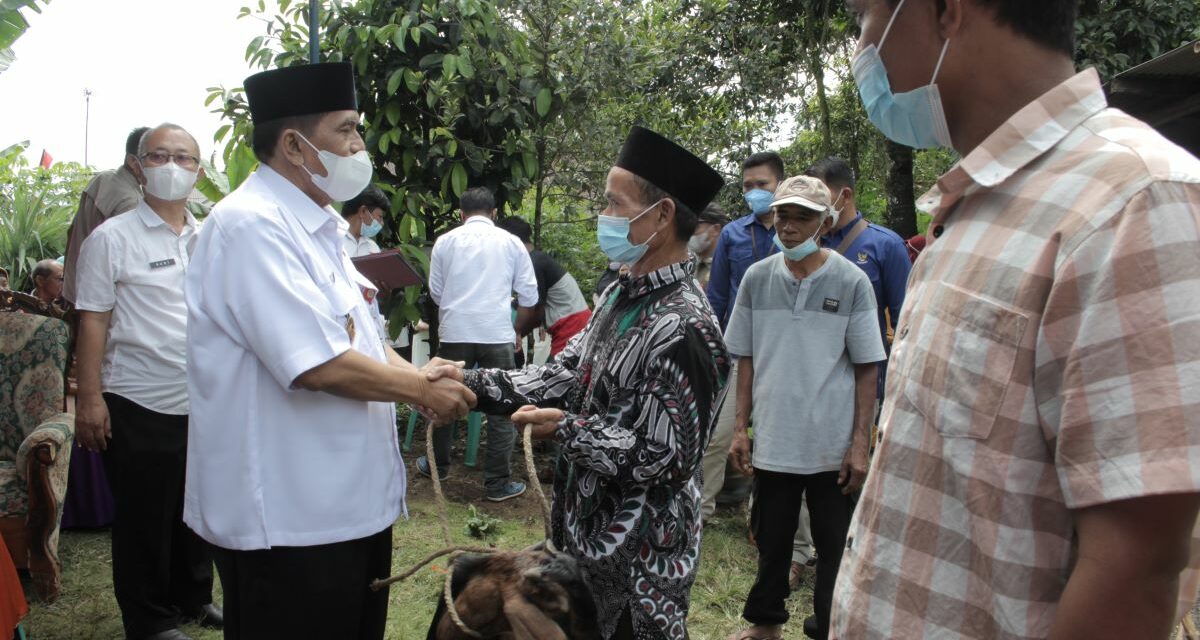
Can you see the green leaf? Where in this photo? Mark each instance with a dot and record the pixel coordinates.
(543, 102)
(394, 80)
(400, 39)
(449, 64)
(531, 164)
(413, 80)
(393, 112)
(415, 32)
(458, 179)
(465, 68)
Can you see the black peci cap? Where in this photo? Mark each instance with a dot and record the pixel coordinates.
(670, 167)
(301, 90)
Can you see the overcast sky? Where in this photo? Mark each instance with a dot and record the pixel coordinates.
(146, 62)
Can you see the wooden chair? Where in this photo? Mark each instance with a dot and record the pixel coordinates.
(35, 444)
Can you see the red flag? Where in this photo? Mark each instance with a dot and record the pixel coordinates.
(46, 160)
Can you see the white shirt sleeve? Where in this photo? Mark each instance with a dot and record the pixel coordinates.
(524, 280)
(436, 270)
(262, 290)
(96, 275)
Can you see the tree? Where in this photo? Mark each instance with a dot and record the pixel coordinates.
(1114, 35)
(36, 208)
(13, 25)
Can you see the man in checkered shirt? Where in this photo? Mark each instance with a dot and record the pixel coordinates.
(1040, 472)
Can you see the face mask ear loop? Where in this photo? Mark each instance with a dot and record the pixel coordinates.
(888, 28)
(938, 68)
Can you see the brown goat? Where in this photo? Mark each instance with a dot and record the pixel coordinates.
(533, 594)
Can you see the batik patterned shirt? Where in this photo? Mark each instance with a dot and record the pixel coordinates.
(640, 387)
(1045, 361)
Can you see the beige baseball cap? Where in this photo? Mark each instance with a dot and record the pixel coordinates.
(805, 191)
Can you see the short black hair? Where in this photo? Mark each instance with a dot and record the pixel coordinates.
(134, 139)
(833, 171)
(477, 200)
(518, 227)
(768, 159)
(372, 197)
(685, 219)
(266, 134)
(1050, 23)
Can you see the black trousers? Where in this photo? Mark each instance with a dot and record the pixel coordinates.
(774, 519)
(501, 435)
(307, 592)
(159, 564)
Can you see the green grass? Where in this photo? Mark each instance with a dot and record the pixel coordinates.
(88, 610)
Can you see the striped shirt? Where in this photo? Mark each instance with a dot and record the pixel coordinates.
(1046, 360)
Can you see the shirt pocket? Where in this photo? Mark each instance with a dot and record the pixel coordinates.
(960, 362)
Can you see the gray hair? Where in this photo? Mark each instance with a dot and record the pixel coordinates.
(145, 141)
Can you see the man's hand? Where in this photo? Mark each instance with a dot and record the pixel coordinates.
(93, 429)
(438, 368)
(444, 400)
(739, 452)
(544, 422)
(854, 467)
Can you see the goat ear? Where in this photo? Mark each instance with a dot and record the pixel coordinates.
(528, 622)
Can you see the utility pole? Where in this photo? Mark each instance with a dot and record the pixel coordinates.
(314, 32)
(87, 116)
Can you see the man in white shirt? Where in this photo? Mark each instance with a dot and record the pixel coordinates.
(473, 273)
(294, 471)
(133, 394)
(364, 213)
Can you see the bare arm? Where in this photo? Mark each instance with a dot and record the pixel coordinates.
(1126, 579)
(92, 427)
(528, 319)
(354, 375)
(854, 465)
(739, 451)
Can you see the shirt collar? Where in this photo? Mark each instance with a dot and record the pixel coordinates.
(838, 234)
(483, 219)
(311, 216)
(152, 219)
(1025, 136)
(636, 287)
(748, 220)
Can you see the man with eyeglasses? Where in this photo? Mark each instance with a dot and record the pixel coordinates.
(133, 391)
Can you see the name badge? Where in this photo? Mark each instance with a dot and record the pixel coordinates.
(831, 305)
(159, 264)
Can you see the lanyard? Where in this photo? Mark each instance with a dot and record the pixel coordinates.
(754, 244)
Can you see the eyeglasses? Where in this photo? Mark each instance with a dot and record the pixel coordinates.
(186, 161)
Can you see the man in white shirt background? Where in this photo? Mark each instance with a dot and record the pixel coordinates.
(133, 394)
(364, 213)
(473, 272)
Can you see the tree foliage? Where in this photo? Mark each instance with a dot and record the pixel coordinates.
(36, 208)
(1114, 35)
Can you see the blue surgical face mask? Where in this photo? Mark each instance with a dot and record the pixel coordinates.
(612, 232)
(804, 249)
(759, 200)
(371, 230)
(913, 118)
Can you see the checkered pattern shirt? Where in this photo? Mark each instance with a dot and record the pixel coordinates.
(1047, 359)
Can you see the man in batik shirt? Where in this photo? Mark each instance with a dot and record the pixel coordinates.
(639, 389)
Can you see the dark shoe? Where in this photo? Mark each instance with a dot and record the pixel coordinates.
(423, 469)
(208, 616)
(510, 490)
(169, 634)
(810, 627)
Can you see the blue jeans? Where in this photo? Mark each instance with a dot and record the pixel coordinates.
(501, 435)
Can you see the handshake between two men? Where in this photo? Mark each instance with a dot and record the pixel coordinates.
(438, 372)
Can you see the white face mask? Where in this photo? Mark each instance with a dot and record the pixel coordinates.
(345, 176)
(169, 182)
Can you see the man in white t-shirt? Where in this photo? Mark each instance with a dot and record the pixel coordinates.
(133, 394)
(473, 273)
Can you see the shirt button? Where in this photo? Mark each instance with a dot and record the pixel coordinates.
(904, 331)
(937, 231)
